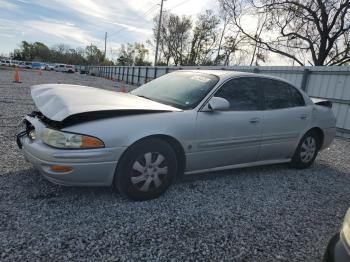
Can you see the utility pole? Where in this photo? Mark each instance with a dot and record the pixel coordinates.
(158, 33)
(222, 36)
(104, 55)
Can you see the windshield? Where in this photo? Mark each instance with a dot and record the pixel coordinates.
(183, 90)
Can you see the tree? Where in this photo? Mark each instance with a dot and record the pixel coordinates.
(40, 52)
(60, 53)
(93, 55)
(133, 54)
(313, 31)
(204, 39)
(126, 55)
(140, 55)
(174, 37)
(231, 50)
(36, 51)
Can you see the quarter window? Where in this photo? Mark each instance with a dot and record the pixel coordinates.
(241, 93)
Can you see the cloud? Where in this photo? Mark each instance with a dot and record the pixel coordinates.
(64, 31)
(7, 5)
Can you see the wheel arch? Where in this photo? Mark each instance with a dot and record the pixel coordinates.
(173, 142)
(320, 134)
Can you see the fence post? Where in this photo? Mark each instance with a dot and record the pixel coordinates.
(155, 72)
(132, 75)
(127, 75)
(146, 75)
(138, 76)
(123, 73)
(304, 81)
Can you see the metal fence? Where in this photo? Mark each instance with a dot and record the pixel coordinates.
(332, 83)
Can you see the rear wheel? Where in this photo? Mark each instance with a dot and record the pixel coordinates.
(306, 151)
(146, 170)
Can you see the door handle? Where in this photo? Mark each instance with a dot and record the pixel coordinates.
(254, 120)
(303, 117)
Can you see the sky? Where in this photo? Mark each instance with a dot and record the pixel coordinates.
(79, 23)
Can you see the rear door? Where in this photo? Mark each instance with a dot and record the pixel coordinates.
(230, 137)
(285, 119)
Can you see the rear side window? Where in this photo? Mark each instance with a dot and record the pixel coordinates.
(279, 95)
(241, 93)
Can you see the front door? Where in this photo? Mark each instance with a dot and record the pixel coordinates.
(231, 137)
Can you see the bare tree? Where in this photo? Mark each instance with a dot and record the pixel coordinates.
(204, 38)
(313, 31)
(174, 37)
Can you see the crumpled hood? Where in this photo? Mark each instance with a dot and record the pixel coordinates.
(59, 101)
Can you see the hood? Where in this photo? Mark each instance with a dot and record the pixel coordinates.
(59, 101)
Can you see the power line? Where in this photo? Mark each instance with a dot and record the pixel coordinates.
(181, 3)
(144, 14)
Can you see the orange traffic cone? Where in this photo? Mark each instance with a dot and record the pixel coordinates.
(17, 78)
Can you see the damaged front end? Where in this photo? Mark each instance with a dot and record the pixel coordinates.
(26, 127)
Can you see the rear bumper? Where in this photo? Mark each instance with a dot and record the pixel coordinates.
(336, 250)
(90, 167)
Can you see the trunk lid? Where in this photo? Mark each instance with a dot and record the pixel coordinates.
(59, 101)
(321, 102)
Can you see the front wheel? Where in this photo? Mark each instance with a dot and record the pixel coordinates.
(146, 170)
(306, 151)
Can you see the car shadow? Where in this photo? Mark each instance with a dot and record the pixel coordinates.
(214, 175)
(30, 184)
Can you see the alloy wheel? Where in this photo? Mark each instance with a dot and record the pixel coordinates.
(149, 171)
(308, 149)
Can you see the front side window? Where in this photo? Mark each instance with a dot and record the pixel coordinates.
(278, 94)
(241, 93)
(184, 90)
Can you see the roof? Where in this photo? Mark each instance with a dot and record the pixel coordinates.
(218, 72)
(225, 74)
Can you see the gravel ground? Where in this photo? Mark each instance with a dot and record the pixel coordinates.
(270, 213)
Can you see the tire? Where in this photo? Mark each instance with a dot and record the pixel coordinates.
(306, 152)
(146, 169)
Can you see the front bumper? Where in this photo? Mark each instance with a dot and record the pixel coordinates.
(91, 167)
(336, 250)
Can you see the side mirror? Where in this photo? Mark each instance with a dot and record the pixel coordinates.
(218, 104)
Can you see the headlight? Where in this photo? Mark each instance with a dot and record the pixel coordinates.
(346, 228)
(61, 139)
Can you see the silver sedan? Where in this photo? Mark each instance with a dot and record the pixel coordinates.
(184, 122)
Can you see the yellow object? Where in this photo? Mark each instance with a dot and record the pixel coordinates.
(62, 169)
